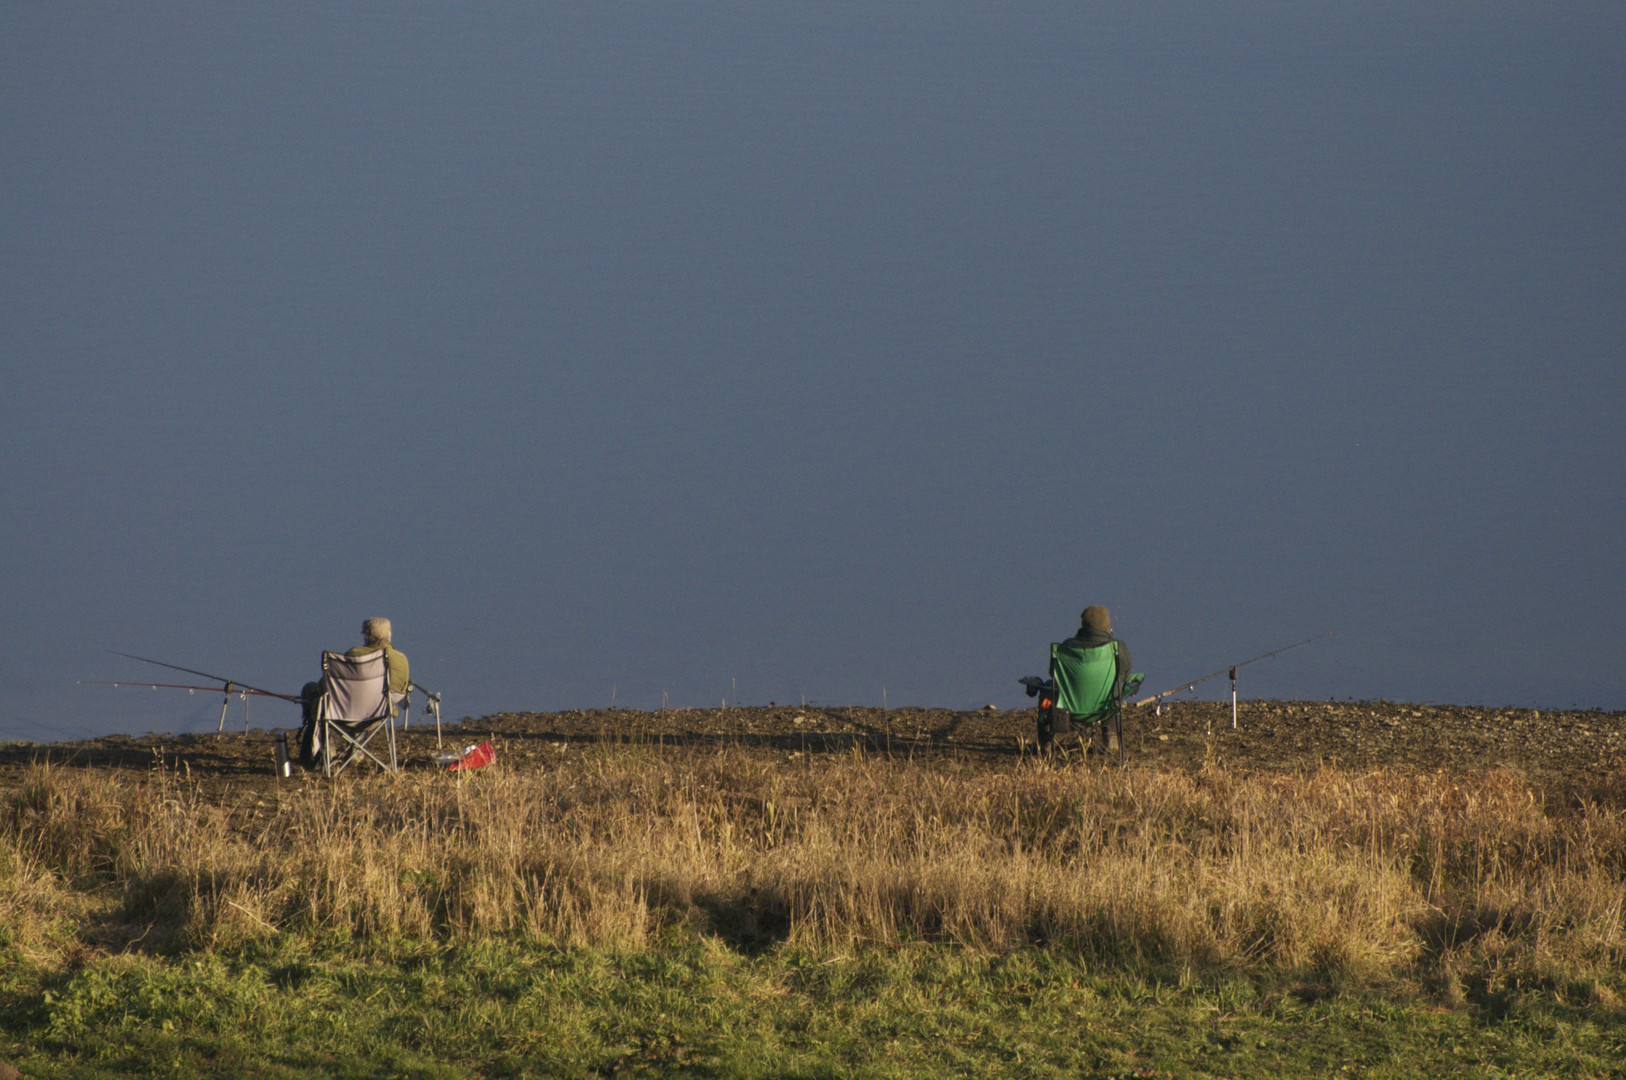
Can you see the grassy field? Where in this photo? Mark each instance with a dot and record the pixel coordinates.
(507, 1008)
(726, 911)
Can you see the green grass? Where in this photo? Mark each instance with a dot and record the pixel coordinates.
(502, 1008)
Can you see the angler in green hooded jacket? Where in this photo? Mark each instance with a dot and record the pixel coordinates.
(1095, 629)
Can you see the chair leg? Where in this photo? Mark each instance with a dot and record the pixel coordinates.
(356, 748)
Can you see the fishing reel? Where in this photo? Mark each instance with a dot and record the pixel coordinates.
(1036, 686)
(1043, 689)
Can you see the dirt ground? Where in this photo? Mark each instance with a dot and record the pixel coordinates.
(1550, 747)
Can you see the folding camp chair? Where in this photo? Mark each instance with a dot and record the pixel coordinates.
(356, 704)
(1085, 693)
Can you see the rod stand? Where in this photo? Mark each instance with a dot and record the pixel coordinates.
(431, 706)
(221, 727)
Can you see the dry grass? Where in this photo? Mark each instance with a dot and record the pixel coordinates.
(1365, 873)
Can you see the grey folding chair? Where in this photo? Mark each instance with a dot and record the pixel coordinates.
(355, 707)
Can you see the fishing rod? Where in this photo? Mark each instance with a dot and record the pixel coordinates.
(235, 687)
(1231, 669)
(228, 687)
(235, 684)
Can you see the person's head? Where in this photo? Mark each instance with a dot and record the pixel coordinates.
(375, 632)
(1096, 617)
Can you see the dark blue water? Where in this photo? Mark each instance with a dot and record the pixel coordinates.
(758, 352)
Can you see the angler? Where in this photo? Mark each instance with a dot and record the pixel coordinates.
(1089, 678)
(375, 635)
(335, 705)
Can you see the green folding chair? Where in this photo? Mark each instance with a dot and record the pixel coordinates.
(1086, 691)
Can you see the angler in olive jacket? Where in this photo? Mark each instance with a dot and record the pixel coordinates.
(375, 635)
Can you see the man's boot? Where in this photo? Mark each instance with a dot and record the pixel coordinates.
(1052, 722)
(310, 729)
(1061, 722)
(310, 750)
(1112, 725)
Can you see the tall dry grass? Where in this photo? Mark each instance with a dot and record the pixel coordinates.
(1357, 872)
